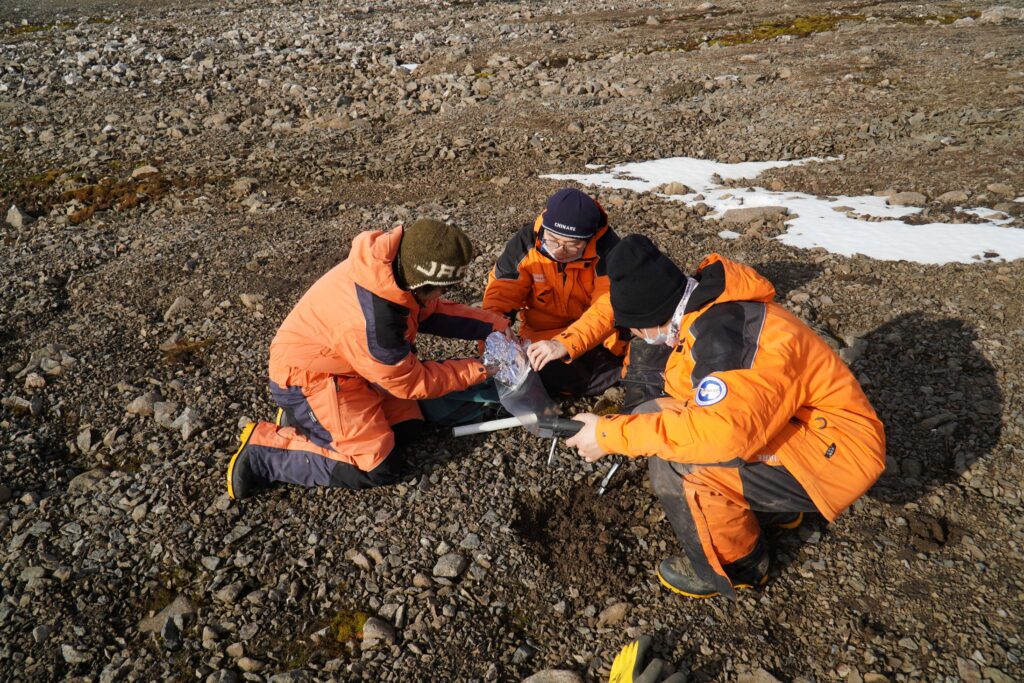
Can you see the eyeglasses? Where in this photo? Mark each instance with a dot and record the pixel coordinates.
(571, 246)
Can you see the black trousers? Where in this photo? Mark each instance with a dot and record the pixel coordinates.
(588, 375)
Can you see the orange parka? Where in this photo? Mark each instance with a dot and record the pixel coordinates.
(750, 382)
(356, 327)
(564, 301)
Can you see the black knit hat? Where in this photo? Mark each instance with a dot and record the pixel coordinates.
(571, 213)
(645, 285)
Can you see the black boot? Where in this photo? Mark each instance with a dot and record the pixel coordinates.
(678, 575)
(242, 481)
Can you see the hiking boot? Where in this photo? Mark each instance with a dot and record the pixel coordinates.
(780, 520)
(677, 574)
(242, 481)
(792, 522)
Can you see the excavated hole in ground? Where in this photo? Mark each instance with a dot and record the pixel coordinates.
(584, 538)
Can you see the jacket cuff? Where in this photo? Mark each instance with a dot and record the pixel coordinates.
(572, 343)
(478, 372)
(610, 435)
(500, 323)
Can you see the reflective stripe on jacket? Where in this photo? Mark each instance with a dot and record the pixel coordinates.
(564, 301)
(752, 382)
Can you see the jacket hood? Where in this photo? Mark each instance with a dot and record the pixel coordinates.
(371, 265)
(721, 280)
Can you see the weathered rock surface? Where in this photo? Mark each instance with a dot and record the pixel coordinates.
(181, 172)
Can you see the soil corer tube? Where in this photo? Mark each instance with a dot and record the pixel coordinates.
(494, 425)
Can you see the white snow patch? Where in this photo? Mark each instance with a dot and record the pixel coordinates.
(409, 67)
(997, 217)
(835, 223)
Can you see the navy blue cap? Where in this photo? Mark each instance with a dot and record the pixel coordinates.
(571, 213)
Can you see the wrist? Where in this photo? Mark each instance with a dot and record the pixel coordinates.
(570, 344)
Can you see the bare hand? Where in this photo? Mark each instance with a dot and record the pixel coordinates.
(585, 441)
(543, 352)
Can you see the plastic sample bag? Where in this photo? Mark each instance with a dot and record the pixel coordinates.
(519, 388)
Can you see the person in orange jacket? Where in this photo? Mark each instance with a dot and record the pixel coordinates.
(554, 273)
(343, 367)
(762, 421)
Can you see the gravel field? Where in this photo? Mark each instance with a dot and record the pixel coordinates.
(180, 172)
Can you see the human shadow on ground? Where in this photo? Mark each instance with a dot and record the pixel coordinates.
(787, 276)
(938, 398)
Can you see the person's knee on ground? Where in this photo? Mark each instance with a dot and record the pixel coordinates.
(255, 467)
(461, 407)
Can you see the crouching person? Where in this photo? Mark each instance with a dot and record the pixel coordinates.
(762, 420)
(344, 371)
(554, 273)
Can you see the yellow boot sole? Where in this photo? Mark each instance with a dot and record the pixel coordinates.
(244, 437)
(699, 596)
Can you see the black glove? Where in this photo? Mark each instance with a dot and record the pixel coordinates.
(634, 664)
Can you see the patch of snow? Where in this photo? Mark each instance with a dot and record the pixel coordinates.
(997, 217)
(835, 223)
(729, 235)
(409, 67)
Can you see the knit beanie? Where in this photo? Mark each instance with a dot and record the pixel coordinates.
(645, 285)
(433, 253)
(571, 213)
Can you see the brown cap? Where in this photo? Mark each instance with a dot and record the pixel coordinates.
(433, 253)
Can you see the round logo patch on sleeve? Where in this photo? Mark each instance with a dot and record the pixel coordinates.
(710, 391)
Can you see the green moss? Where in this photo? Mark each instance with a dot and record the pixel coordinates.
(43, 180)
(800, 27)
(159, 597)
(28, 28)
(345, 626)
(23, 29)
(348, 625)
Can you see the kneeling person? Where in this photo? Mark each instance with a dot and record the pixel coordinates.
(343, 367)
(762, 422)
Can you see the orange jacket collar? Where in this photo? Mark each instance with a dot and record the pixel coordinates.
(723, 280)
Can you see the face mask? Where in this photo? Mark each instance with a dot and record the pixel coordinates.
(662, 338)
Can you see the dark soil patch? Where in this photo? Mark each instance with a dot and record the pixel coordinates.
(929, 534)
(584, 538)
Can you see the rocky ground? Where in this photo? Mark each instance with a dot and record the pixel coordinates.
(180, 173)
